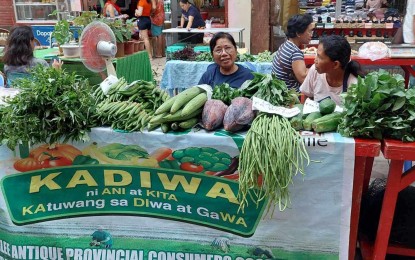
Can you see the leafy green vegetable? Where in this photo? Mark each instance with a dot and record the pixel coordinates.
(245, 57)
(271, 89)
(265, 56)
(204, 56)
(225, 93)
(52, 105)
(378, 106)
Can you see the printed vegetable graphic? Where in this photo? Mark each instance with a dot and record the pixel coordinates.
(47, 156)
(161, 153)
(27, 164)
(190, 167)
(56, 150)
(84, 160)
(53, 161)
(201, 159)
(120, 154)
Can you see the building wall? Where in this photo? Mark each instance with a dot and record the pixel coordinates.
(239, 15)
(7, 18)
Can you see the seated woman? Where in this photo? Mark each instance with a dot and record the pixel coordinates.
(224, 70)
(18, 55)
(332, 72)
(288, 64)
(112, 10)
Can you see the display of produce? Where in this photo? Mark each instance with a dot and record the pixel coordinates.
(52, 105)
(225, 93)
(379, 106)
(273, 151)
(213, 112)
(129, 107)
(238, 115)
(181, 111)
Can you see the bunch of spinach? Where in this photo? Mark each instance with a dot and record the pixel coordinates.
(204, 56)
(225, 93)
(271, 89)
(52, 105)
(378, 106)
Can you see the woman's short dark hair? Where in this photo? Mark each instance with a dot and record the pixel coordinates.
(298, 24)
(220, 35)
(337, 48)
(184, 1)
(19, 49)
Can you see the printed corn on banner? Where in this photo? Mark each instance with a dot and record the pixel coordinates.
(167, 196)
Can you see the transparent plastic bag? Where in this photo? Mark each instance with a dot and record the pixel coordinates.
(373, 51)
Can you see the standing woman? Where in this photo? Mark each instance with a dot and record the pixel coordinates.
(288, 64)
(409, 23)
(157, 22)
(18, 55)
(143, 12)
(191, 18)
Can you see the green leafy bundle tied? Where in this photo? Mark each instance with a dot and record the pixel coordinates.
(51, 105)
(378, 106)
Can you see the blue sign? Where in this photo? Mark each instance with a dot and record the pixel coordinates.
(43, 32)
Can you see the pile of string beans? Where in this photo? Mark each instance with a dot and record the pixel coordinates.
(274, 151)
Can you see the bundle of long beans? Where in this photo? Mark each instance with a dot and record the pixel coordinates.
(272, 151)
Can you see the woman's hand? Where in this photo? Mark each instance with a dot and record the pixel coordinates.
(57, 64)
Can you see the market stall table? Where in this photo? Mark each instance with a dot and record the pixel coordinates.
(132, 67)
(170, 32)
(397, 152)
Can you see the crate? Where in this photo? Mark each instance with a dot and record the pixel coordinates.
(173, 48)
(201, 49)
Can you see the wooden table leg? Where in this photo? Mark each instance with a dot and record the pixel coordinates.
(388, 209)
(362, 171)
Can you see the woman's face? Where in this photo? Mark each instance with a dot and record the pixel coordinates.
(224, 53)
(185, 7)
(305, 37)
(322, 62)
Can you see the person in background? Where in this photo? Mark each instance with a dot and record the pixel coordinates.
(143, 12)
(408, 29)
(191, 18)
(332, 72)
(288, 64)
(224, 70)
(157, 22)
(409, 23)
(18, 56)
(112, 10)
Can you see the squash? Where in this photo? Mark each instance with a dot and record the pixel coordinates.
(309, 119)
(327, 106)
(327, 123)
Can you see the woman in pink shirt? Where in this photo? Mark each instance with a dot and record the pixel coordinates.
(332, 72)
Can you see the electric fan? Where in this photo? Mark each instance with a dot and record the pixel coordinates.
(98, 47)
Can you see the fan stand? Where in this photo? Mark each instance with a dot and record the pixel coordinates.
(110, 67)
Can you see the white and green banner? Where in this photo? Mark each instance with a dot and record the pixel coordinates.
(167, 196)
